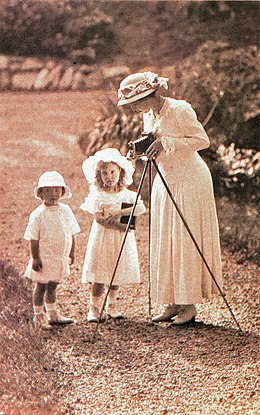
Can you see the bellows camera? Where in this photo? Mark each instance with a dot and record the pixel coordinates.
(139, 146)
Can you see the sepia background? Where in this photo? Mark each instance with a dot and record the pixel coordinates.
(61, 62)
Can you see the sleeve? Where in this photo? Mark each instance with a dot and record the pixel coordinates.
(194, 135)
(88, 205)
(74, 226)
(33, 228)
(94, 203)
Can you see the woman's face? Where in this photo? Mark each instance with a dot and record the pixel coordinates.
(142, 105)
(51, 195)
(110, 175)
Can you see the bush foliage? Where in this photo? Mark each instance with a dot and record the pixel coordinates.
(52, 28)
(221, 83)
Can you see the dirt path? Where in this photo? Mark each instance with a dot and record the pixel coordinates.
(132, 367)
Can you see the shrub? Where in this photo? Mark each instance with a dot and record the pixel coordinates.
(239, 228)
(242, 172)
(113, 129)
(221, 82)
(52, 28)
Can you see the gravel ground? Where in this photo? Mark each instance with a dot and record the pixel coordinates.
(131, 366)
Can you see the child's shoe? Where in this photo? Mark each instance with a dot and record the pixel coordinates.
(40, 321)
(168, 313)
(55, 317)
(112, 312)
(93, 314)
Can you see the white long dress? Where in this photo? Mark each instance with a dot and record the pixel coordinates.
(104, 244)
(178, 274)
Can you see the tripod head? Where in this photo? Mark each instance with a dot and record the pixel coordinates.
(139, 146)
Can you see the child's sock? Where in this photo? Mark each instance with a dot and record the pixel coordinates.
(112, 296)
(38, 309)
(40, 320)
(51, 311)
(94, 310)
(50, 307)
(111, 305)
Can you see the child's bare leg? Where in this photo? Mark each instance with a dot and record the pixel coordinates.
(38, 294)
(50, 303)
(97, 289)
(50, 296)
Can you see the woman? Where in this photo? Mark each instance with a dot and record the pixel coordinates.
(179, 278)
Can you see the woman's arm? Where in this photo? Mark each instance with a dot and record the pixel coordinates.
(194, 135)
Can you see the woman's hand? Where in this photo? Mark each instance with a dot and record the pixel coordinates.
(154, 150)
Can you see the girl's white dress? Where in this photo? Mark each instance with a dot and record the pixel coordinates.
(104, 244)
(54, 227)
(178, 274)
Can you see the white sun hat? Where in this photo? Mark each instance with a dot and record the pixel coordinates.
(107, 155)
(139, 85)
(52, 179)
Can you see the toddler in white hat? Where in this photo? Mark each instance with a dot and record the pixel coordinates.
(51, 231)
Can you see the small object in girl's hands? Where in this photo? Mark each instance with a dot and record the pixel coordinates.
(125, 219)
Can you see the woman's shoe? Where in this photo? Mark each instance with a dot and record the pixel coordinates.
(169, 312)
(186, 315)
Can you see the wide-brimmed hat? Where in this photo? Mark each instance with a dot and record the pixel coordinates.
(52, 179)
(108, 155)
(139, 85)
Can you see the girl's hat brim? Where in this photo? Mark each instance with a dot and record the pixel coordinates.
(108, 155)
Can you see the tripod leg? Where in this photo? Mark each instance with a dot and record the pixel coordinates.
(123, 243)
(195, 242)
(149, 207)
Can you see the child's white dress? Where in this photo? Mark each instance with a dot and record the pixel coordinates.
(54, 227)
(104, 244)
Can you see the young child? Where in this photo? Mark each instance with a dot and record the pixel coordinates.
(51, 231)
(109, 174)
